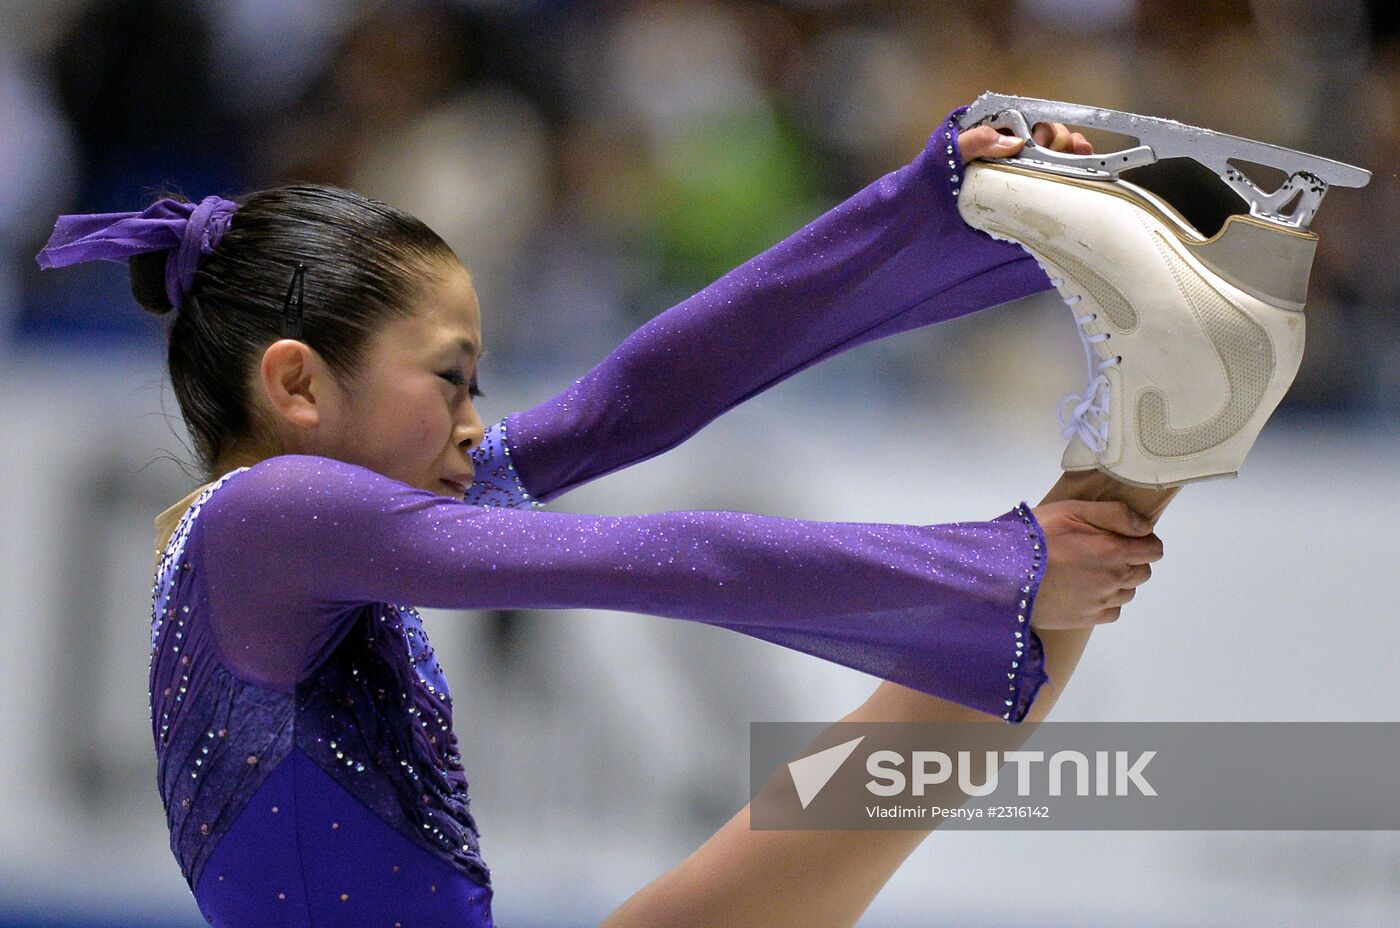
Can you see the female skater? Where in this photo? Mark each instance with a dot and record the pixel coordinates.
(324, 355)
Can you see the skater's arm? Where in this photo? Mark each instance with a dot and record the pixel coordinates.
(893, 257)
(943, 609)
(746, 878)
(826, 879)
(1064, 646)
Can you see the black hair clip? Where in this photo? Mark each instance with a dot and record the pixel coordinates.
(291, 322)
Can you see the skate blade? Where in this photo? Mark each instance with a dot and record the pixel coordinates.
(1293, 204)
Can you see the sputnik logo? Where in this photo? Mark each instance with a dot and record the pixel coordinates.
(811, 773)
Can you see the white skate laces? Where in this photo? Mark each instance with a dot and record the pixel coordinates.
(1204, 316)
(1089, 418)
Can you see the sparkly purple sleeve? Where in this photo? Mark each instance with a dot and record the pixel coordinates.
(939, 608)
(895, 256)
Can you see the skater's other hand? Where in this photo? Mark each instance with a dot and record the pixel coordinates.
(986, 142)
(1095, 559)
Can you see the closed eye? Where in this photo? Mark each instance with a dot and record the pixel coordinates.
(456, 379)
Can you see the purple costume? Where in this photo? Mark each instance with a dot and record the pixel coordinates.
(303, 728)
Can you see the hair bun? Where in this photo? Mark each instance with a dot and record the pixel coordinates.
(148, 281)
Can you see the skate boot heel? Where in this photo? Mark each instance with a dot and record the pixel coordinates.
(1191, 341)
(1265, 261)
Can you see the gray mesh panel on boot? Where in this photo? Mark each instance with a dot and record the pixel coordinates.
(1115, 305)
(1245, 352)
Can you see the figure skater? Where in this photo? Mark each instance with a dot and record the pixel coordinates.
(324, 353)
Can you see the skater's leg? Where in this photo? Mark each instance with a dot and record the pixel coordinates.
(825, 879)
(1064, 647)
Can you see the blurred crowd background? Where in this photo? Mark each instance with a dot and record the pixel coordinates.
(594, 163)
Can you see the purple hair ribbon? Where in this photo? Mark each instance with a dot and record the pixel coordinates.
(188, 231)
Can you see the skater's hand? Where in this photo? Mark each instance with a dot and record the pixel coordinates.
(1096, 556)
(986, 142)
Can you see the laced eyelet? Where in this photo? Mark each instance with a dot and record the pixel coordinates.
(1086, 415)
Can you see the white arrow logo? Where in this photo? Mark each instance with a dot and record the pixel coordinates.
(811, 773)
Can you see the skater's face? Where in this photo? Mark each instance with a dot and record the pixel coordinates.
(408, 414)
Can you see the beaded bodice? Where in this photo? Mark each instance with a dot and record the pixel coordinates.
(376, 717)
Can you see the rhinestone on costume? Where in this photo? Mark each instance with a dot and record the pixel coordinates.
(1023, 510)
(427, 761)
(497, 482)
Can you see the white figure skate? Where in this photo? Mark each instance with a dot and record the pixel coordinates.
(1193, 334)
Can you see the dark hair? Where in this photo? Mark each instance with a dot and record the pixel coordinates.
(364, 264)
